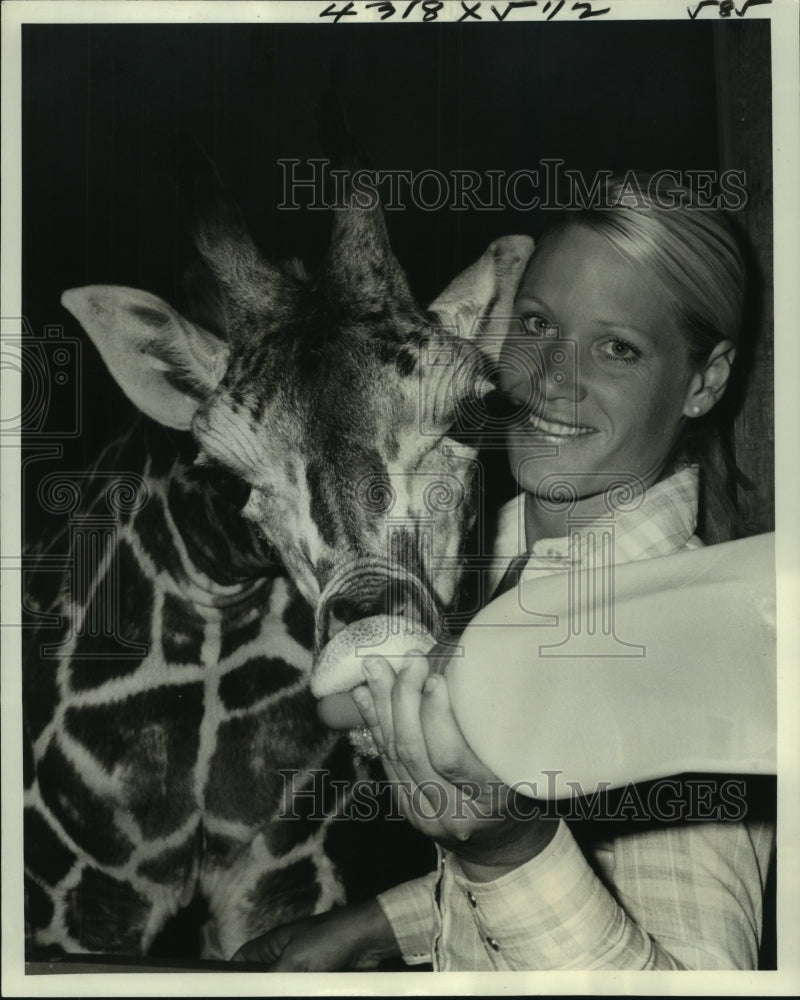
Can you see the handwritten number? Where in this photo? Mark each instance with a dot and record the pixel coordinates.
(385, 8)
(337, 15)
(431, 9)
(587, 10)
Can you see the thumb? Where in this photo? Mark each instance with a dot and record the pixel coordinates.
(266, 949)
(448, 751)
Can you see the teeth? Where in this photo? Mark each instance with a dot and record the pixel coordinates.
(557, 428)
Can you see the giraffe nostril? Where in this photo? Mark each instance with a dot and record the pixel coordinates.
(365, 588)
(395, 598)
(341, 613)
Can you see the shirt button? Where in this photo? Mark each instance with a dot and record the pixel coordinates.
(492, 943)
(472, 899)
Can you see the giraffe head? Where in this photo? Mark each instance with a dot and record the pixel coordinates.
(331, 399)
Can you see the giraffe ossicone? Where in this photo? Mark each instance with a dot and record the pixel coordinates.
(313, 481)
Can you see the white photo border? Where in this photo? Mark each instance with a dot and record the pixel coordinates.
(783, 16)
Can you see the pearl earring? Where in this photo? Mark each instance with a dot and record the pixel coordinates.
(695, 409)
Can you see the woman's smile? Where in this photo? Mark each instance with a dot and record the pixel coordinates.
(555, 429)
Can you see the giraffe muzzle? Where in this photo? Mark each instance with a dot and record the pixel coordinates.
(366, 588)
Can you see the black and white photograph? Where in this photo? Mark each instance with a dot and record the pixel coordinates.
(399, 567)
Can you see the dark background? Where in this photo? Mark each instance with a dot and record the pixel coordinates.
(104, 107)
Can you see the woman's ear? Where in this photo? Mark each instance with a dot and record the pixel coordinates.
(708, 385)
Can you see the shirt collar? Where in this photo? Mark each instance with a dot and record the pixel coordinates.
(659, 522)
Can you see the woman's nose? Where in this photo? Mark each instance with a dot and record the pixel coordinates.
(562, 370)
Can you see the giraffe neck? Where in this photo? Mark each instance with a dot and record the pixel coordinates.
(173, 747)
(196, 535)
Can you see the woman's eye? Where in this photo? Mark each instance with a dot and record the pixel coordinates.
(537, 325)
(621, 350)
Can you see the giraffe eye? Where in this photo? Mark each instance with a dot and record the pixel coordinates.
(224, 484)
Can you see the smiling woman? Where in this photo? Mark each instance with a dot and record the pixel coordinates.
(621, 345)
(618, 378)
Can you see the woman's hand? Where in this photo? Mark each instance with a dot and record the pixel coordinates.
(355, 937)
(440, 785)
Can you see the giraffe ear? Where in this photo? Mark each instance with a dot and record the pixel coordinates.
(479, 303)
(165, 365)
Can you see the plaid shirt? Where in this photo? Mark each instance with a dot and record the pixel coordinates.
(685, 895)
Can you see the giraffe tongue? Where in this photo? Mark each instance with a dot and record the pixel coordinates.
(339, 667)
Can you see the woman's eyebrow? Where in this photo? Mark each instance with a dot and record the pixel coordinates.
(532, 300)
(612, 324)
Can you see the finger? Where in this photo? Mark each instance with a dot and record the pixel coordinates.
(396, 774)
(461, 771)
(380, 680)
(447, 750)
(432, 795)
(399, 783)
(366, 706)
(406, 701)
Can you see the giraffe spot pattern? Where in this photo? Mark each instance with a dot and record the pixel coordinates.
(220, 851)
(231, 528)
(42, 591)
(256, 679)
(173, 866)
(235, 638)
(182, 631)
(243, 781)
(299, 620)
(283, 895)
(319, 797)
(85, 817)
(39, 693)
(106, 914)
(211, 529)
(405, 362)
(125, 598)
(45, 854)
(321, 507)
(156, 538)
(150, 740)
(39, 909)
(28, 762)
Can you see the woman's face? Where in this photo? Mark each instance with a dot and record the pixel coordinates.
(600, 374)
